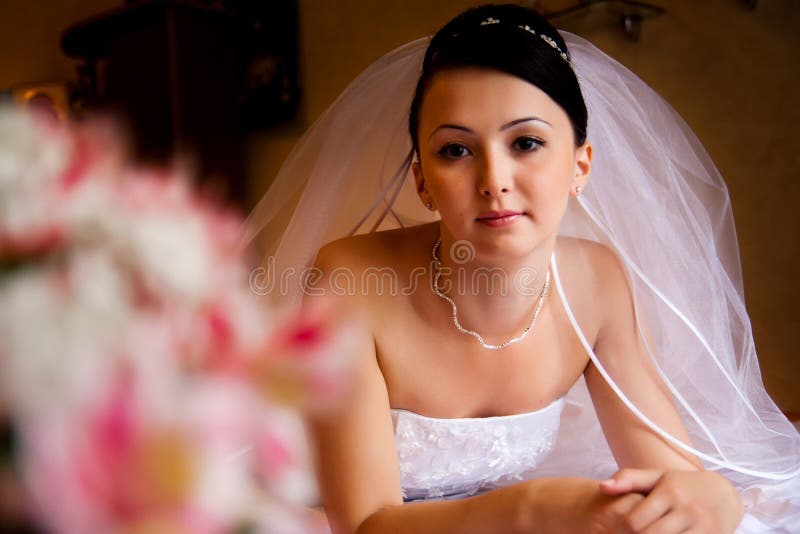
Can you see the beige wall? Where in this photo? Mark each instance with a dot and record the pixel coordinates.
(727, 70)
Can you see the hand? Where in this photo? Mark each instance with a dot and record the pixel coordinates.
(678, 501)
(571, 504)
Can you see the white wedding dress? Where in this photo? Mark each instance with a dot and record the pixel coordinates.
(453, 458)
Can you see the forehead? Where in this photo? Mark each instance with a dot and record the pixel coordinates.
(476, 96)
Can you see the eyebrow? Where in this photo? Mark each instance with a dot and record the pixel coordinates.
(506, 126)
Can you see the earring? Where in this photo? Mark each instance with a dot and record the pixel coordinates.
(578, 189)
(429, 205)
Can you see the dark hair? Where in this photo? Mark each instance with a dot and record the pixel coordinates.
(490, 36)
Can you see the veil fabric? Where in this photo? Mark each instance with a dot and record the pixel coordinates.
(655, 198)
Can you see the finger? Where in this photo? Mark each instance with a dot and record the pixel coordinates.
(625, 504)
(627, 480)
(612, 516)
(612, 487)
(671, 523)
(655, 506)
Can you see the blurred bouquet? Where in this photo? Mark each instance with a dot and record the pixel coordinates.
(147, 389)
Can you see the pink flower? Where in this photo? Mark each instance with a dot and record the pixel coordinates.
(310, 361)
(140, 369)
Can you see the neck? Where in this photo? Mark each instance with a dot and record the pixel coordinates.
(495, 296)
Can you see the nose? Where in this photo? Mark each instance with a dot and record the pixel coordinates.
(495, 178)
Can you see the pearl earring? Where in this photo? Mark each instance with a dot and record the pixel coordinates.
(578, 189)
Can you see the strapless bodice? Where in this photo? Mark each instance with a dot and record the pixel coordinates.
(450, 458)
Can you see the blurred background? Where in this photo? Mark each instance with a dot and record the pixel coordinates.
(235, 83)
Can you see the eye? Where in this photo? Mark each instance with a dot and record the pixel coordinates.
(527, 144)
(454, 151)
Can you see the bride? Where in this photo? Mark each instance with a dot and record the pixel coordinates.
(550, 284)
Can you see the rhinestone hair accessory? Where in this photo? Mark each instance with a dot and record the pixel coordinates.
(546, 38)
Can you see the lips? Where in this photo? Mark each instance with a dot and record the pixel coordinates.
(498, 214)
(499, 218)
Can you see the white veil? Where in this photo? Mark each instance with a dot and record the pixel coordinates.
(654, 197)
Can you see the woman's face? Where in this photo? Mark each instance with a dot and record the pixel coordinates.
(497, 160)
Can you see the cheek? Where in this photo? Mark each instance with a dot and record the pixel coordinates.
(549, 180)
(547, 191)
(446, 183)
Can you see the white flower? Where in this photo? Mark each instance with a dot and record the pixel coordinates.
(31, 162)
(28, 156)
(56, 329)
(173, 253)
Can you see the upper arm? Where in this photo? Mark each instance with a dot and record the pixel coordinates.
(622, 353)
(355, 453)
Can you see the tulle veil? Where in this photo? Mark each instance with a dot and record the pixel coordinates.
(654, 197)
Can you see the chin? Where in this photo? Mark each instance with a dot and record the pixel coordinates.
(499, 248)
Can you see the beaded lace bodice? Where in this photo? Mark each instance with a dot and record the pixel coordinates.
(449, 458)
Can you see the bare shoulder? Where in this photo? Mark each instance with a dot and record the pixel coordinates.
(591, 265)
(596, 286)
(389, 248)
(368, 269)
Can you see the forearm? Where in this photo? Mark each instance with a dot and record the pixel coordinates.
(502, 510)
